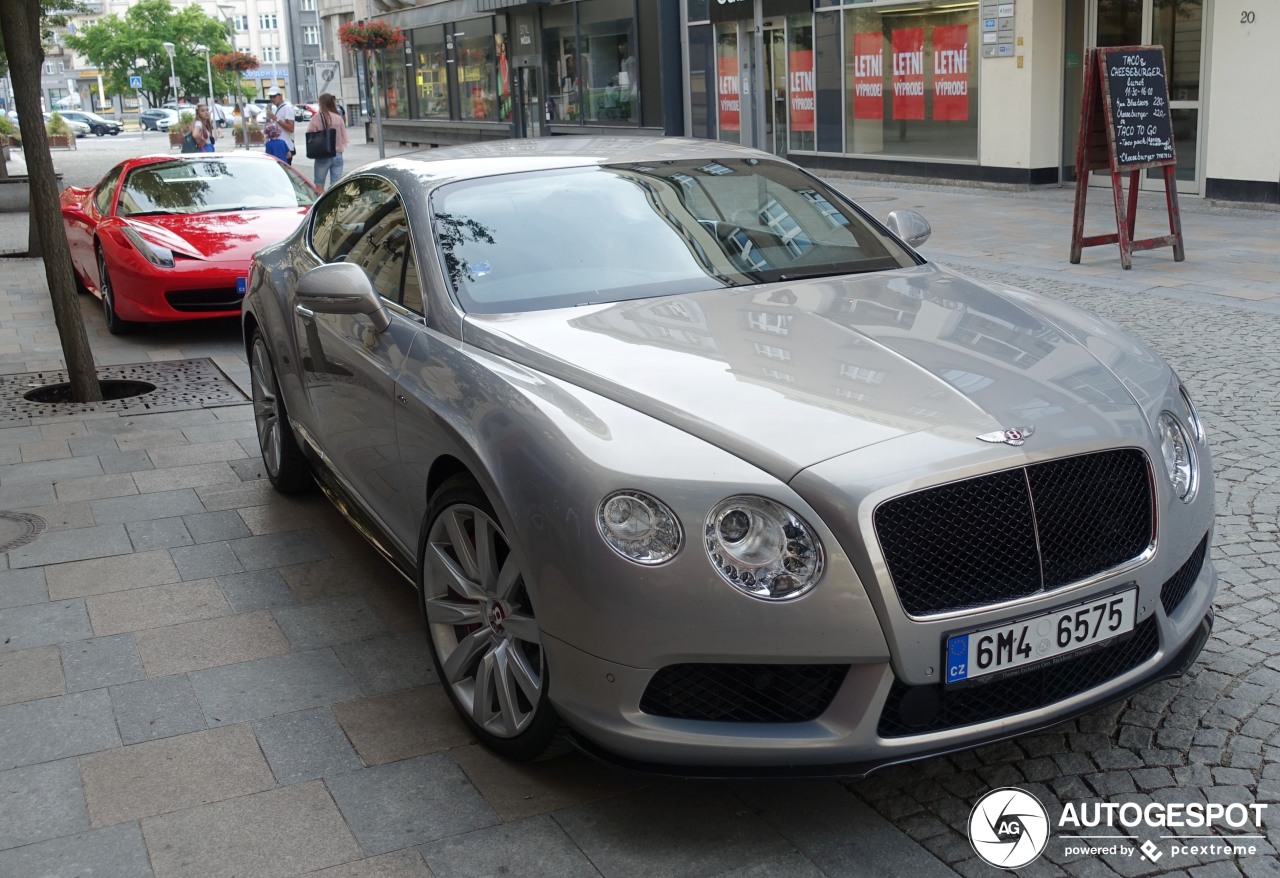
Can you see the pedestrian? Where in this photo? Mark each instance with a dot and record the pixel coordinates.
(203, 131)
(286, 116)
(274, 145)
(329, 117)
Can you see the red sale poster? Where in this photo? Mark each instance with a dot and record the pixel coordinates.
(727, 95)
(908, 73)
(800, 82)
(951, 72)
(868, 76)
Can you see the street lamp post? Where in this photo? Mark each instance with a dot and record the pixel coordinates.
(227, 11)
(208, 66)
(140, 64)
(173, 74)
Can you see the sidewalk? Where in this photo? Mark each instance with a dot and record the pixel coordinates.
(199, 677)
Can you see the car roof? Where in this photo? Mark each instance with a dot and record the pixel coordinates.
(434, 167)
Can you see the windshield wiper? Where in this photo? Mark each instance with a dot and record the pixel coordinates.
(157, 213)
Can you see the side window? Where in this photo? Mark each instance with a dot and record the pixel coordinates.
(385, 252)
(343, 214)
(106, 191)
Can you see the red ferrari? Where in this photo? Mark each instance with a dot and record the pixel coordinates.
(164, 238)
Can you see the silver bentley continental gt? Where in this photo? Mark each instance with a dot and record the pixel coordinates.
(690, 457)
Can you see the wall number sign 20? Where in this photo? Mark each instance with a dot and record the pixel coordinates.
(1247, 17)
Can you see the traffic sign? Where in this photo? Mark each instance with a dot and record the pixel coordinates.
(135, 82)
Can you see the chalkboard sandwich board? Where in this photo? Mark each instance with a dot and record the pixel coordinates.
(1136, 100)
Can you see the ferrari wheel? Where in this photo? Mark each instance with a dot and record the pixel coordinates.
(286, 466)
(116, 325)
(484, 639)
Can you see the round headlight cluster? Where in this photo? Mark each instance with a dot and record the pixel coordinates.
(639, 527)
(762, 548)
(1179, 456)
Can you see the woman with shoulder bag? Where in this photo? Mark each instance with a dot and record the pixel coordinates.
(318, 135)
(203, 130)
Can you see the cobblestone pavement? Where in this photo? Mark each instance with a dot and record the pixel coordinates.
(200, 677)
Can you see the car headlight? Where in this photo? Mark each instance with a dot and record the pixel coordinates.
(1193, 416)
(1179, 456)
(639, 527)
(762, 548)
(154, 253)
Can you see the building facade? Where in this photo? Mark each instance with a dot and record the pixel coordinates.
(968, 90)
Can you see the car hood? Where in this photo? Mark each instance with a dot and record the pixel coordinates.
(787, 375)
(219, 237)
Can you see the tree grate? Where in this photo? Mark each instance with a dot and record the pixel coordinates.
(180, 385)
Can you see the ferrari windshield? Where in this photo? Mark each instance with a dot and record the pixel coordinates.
(551, 239)
(211, 184)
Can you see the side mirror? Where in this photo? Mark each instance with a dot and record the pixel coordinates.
(342, 288)
(909, 226)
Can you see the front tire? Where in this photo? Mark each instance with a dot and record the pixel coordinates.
(485, 641)
(281, 455)
(99, 130)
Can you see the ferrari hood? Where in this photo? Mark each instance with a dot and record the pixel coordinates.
(219, 237)
(787, 375)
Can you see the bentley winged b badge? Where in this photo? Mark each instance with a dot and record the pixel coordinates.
(1011, 436)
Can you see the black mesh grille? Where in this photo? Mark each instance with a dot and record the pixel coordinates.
(216, 299)
(932, 709)
(978, 542)
(743, 693)
(1177, 586)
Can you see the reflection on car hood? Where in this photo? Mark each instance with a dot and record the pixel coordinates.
(222, 237)
(787, 375)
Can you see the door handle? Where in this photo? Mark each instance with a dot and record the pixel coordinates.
(402, 399)
(304, 311)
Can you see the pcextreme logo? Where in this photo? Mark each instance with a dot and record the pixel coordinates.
(1009, 828)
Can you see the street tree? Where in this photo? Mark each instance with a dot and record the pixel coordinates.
(114, 44)
(20, 32)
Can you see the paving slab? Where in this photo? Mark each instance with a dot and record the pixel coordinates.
(387, 728)
(206, 560)
(101, 661)
(42, 801)
(209, 643)
(389, 663)
(532, 848)
(168, 456)
(33, 625)
(270, 686)
(64, 515)
(331, 622)
(72, 545)
(96, 487)
(411, 802)
(147, 710)
(155, 606)
(278, 550)
(20, 588)
(400, 864)
(177, 477)
(162, 533)
(306, 745)
(256, 590)
(114, 852)
(156, 777)
(29, 674)
(275, 833)
(101, 575)
(148, 506)
(54, 728)
(208, 527)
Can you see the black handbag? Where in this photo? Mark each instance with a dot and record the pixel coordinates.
(189, 143)
(322, 144)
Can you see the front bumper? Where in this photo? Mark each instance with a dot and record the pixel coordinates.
(191, 290)
(602, 707)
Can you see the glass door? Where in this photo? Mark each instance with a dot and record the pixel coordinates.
(1179, 28)
(775, 91)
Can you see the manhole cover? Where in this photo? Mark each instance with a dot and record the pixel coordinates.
(18, 529)
(180, 385)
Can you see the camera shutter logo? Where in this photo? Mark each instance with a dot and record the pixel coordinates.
(1008, 828)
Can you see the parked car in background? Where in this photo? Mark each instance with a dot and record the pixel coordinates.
(98, 125)
(78, 128)
(158, 118)
(165, 238)
(683, 448)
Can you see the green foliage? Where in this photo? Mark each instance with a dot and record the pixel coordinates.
(185, 119)
(113, 44)
(57, 124)
(7, 128)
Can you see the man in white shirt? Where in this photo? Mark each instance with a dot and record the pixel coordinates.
(285, 115)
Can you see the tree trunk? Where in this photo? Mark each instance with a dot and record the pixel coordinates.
(20, 27)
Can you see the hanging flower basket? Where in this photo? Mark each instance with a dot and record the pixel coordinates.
(370, 36)
(237, 61)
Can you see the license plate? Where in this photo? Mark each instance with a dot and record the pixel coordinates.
(242, 285)
(1040, 638)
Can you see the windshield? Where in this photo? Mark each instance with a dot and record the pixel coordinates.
(210, 185)
(552, 239)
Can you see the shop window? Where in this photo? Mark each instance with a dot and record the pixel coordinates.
(395, 83)
(608, 69)
(430, 73)
(560, 55)
(473, 52)
(911, 82)
(801, 91)
(728, 97)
